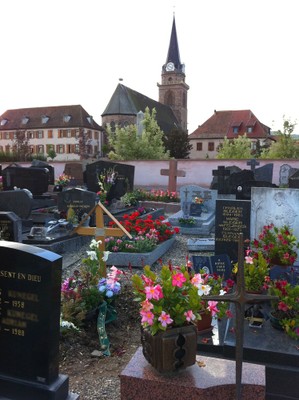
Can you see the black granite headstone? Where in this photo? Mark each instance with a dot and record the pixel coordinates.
(10, 227)
(124, 181)
(75, 171)
(30, 282)
(50, 168)
(232, 218)
(294, 180)
(80, 200)
(34, 179)
(264, 173)
(244, 191)
(195, 210)
(220, 264)
(17, 201)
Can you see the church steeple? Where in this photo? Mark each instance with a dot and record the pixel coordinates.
(173, 55)
(173, 89)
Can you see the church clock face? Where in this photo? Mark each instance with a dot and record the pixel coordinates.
(170, 66)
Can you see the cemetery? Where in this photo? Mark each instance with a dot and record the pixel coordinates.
(74, 259)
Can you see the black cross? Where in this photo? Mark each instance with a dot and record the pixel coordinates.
(240, 297)
(253, 163)
(221, 173)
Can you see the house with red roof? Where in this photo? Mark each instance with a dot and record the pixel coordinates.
(206, 138)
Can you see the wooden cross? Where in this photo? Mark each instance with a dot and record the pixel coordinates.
(100, 231)
(240, 297)
(253, 163)
(172, 173)
(221, 173)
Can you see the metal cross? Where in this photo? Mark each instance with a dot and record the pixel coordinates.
(240, 297)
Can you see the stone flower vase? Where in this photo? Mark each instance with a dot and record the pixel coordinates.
(171, 350)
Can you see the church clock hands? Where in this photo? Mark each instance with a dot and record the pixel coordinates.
(170, 66)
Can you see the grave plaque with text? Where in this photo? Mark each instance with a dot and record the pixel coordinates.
(232, 218)
(10, 227)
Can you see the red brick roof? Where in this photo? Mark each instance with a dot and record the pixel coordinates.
(222, 123)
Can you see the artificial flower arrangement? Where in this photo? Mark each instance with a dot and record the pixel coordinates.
(172, 298)
(63, 180)
(147, 233)
(256, 271)
(278, 245)
(87, 288)
(286, 308)
(198, 200)
(105, 181)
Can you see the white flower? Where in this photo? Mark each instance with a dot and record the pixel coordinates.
(105, 256)
(204, 289)
(92, 255)
(94, 244)
(222, 292)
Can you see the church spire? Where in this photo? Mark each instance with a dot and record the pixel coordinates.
(173, 55)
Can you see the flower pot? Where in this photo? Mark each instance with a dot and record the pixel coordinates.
(204, 325)
(274, 321)
(171, 350)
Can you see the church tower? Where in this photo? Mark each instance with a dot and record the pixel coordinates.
(173, 89)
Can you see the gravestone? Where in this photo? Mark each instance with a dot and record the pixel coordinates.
(75, 171)
(17, 201)
(124, 181)
(232, 218)
(10, 227)
(244, 190)
(294, 180)
(219, 264)
(201, 244)
(264, 173)
(274, 205)
(30, 281)
(237, 179)
(284, 173)
(206, 221)
(172, 173)
(50, 168)
(35, 179)
(81, 201)
(219, 183)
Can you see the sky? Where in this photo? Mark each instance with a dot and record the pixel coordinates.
(238, 54)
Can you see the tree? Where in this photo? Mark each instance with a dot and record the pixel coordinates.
(178, 144)
(128, 145)
(286, 146)
(51, 153)
(20, 145)
(238, 148)
(84, 141)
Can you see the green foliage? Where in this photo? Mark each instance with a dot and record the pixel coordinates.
(20, 146)
(11, 157)
(178, 144)
(238, 148)
(286, 146)
(128, 145)
(52, 154)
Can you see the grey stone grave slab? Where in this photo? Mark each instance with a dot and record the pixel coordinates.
(124, 181)
(36, 180)
(17, 201)
(284, 173)
(201, 244)
(232, 218)
(80, 200)
(206, 221)
(10, 227)
(30, 281)
(279, 206)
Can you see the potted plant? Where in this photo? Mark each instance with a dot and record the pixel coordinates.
(278, 245)
(188, 221)
(170, 302)
(285, 311)
(256, 271)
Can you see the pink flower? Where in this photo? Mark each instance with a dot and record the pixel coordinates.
(212, 306)
(197, 279)
(178, 280)
(282, 306)
(249, 260)
(189, 315)
(165, 319)
(147, 317)
(146, 305)
(153, 292)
